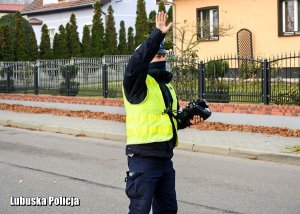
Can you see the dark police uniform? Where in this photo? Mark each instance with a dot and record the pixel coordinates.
(151, 109)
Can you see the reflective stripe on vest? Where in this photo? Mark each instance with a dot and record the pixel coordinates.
(146, 122)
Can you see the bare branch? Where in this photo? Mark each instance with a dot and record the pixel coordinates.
(190, 36)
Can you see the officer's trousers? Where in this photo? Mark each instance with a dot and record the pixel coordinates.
(151, 181)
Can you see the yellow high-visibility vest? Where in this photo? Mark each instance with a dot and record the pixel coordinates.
(146, 122)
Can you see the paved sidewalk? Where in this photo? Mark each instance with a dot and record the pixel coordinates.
(230, 118)
(249, 145)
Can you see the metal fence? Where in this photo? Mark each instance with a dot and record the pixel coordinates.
(226, 79)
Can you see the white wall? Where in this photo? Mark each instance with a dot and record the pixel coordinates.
(83, 17)
(49, 1)
(124, 10)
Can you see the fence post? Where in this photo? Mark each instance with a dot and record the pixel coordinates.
(201, 80)
(8, 73)
(68, 81)
(104, 81)
(36, 80)
(265, 82)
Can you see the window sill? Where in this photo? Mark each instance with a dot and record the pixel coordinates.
(209, 40)
(289, 34)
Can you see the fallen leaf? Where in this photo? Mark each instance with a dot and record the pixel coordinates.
(216, 126)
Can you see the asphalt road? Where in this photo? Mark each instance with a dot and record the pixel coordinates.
(38, 164)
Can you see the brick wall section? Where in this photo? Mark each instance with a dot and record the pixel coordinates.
(215, 107)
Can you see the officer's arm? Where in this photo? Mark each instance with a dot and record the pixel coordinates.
(136, 71)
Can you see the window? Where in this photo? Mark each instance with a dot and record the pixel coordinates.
(289, 17)
(123, 1)
(59, 1)
(90, 26)
(208, 23)
(51, 32)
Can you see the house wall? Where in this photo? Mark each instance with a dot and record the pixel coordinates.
(126, 10)
(259, 16)
(49, 1)
(123, 10)
(54, 20)
(2, 14)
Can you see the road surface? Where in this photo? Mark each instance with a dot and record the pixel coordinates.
(40, 165)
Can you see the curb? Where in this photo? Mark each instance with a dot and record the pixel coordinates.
(250, 154)
(187, 146)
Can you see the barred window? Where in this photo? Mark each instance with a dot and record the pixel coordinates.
(208, 23)
(289, 17)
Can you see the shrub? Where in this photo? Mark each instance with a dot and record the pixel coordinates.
(4, 86)
(185, 73)
(72, 69)
(249, 69)
(216, 69)
(291, 97)
(15, 23)
(217, 90)
(74, 86)
(73, 91)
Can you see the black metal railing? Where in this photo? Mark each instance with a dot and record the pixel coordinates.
(227, 79)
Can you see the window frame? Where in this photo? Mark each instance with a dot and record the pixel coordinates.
(211, 23)
(50, 29)
(90, 26)
(281, 19)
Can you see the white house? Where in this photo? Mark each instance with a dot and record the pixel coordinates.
(57, 12)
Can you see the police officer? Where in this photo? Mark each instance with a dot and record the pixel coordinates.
(151, 125)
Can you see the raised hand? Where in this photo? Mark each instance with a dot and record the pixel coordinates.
(161, 18)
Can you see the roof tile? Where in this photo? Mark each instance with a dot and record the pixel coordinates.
(12, 7)
(37, 5)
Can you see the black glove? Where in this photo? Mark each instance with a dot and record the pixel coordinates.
(183, 118)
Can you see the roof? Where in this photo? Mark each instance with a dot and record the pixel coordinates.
(37, 5)
(11, 7)
(35, 21)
